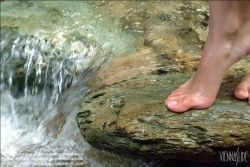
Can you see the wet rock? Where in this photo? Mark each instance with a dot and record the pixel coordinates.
(131, 117)
(149, 60)
(126, 67)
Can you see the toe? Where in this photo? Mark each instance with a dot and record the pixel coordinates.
(242, 91)
(188, 102)
(173, 97)
(179, 105)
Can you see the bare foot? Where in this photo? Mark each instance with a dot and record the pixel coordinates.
(228, 42)
(242, 91)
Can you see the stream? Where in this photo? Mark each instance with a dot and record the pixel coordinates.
(49, 51)
(47, 56)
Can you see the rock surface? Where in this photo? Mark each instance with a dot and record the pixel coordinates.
(131, 116)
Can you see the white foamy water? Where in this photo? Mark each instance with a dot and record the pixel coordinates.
(36, 127)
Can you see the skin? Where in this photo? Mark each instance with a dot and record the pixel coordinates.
(228, 42)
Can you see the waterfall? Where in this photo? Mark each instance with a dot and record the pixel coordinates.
(35, 116)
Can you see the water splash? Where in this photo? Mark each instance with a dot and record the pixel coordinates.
(34, 76)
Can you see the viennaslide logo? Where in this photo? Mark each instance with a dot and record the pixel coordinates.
(233, 156)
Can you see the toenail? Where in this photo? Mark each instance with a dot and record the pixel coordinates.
(240, 91)
(172, 103)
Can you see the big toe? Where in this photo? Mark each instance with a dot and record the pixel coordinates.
(177, 105)
(185, 103)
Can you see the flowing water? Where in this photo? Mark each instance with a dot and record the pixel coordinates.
(49, 50)
(47, 55)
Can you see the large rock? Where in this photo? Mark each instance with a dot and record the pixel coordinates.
(125, 112)
(130, 116)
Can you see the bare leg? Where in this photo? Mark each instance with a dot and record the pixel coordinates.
(228, 41)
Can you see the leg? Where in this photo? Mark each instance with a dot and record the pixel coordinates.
(227, 42)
